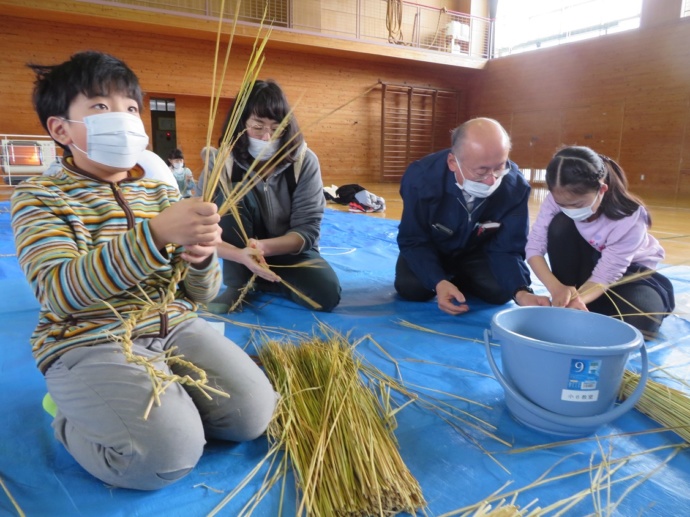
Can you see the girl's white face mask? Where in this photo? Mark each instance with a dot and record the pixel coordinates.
(114, 139)
(263, 149)
(580, 214)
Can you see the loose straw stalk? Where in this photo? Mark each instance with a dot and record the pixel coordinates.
(335, 432)
(160, 379)
(665, 405)
(216, 179)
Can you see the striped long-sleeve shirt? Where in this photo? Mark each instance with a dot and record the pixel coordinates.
(86, 248)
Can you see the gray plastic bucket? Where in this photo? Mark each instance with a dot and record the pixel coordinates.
(563, 368)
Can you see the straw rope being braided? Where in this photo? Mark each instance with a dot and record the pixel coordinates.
(162, 379)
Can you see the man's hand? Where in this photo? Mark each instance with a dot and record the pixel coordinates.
(189, 222)
(450, 299)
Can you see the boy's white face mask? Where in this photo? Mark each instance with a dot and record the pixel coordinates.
(263, 149)
(114, 139)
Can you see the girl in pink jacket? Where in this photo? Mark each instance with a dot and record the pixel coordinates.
(600, 255)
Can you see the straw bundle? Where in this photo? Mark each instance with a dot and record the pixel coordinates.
(665, 405)
(335, 432)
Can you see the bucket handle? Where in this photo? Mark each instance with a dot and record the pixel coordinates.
(574, 421)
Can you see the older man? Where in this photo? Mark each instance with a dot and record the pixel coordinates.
(464, 223)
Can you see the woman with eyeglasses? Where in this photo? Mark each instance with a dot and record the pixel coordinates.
(281, 215)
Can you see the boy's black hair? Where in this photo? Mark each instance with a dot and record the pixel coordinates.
(176, 154)
(581, 170)
(91, 73)
(266, 100)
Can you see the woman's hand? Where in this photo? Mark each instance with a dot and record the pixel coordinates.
(527, 299)
(252, 257)
(199, 255)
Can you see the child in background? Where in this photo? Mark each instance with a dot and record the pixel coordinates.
(595, 232)
(183, 175)
(98, 237)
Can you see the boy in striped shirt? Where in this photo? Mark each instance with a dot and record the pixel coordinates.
(99, 244)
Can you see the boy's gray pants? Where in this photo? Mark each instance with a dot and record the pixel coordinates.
(102, 400)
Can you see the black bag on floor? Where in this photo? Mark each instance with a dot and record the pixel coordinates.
(346, 193)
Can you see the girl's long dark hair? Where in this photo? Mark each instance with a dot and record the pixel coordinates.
(580, 170)
(266, 100)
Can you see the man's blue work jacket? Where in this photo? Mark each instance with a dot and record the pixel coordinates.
(436, 223)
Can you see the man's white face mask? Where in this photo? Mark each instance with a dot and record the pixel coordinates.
(477, 188)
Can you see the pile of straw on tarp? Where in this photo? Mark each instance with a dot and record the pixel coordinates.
(335, 432)
(668, 406)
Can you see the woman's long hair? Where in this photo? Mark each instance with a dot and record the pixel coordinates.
(266, 100)
(580, 170)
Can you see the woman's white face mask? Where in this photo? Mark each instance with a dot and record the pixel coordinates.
(115, 139)
(263, 149)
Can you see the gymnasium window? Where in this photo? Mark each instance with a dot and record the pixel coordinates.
(685, 10)
(532, 24)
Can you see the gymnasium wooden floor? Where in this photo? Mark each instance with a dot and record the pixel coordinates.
(671, 225)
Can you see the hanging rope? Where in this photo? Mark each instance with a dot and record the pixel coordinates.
(394, 18)
(441, 13)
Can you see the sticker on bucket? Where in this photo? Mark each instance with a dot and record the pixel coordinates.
(583, 380)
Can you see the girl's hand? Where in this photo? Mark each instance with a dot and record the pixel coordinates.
(577, 303)
(562, 295)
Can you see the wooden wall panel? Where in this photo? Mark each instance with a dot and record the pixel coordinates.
(625, 95)
(597, 126)
(683, 192)
(651, 143)
(347, 140)
(535, 136)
